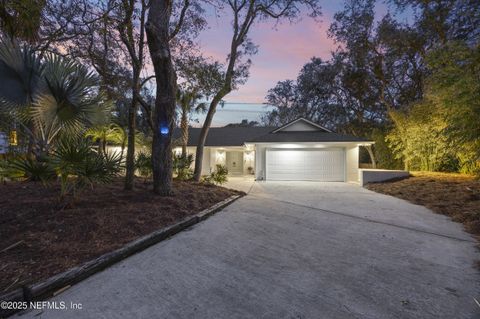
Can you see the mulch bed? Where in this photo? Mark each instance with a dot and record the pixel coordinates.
(454, 195)
(48, 238)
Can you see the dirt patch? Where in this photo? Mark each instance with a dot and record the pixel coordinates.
(48, 240)
(454, 195)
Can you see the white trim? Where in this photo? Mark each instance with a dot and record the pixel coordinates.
(300, 119)
(358, 143)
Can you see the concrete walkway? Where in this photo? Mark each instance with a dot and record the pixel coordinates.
(295, 250)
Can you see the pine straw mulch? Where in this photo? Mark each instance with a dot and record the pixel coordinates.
(47, 238)
(454, 195)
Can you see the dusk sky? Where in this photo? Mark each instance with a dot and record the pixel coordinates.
(283, 50)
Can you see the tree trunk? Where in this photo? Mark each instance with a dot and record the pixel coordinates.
(104, 146)
(157, 29)
(122, 152)
(372, 156)
(184, 126)
(203, 137)
(130, 161)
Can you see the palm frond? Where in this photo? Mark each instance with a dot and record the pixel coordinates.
(21, 74)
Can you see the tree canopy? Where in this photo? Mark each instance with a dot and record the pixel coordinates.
(411, 87)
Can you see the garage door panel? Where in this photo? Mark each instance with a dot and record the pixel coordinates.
(312, 165)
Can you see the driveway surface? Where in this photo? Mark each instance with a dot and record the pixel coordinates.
(295, 250)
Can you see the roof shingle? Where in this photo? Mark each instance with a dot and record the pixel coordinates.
(238, 136)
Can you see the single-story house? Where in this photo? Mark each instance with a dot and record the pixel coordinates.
(300, 150)
(3, 143)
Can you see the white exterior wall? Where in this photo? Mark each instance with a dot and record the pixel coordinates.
(218, 155)
(206, 163)
(206, 158)
(351, 153)
(248, 161)
(260, 162)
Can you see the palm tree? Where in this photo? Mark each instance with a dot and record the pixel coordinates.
(108, 134)
(49, 96)
(187, 103)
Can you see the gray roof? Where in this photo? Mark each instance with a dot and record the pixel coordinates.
(305, 136)
(224, 136)
(238, 136)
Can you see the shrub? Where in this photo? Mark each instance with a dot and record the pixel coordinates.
(181, 166)
(79, 166)
(219, 176)
(143, 165)
(32, 170)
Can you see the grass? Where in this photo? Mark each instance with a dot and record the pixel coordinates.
(454, 195)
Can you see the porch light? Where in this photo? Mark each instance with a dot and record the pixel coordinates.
(13, 138)
(249, 156)
(220, 156)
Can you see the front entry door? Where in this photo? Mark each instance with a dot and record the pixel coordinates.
(235, 163)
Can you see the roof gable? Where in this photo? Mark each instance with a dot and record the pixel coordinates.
(301, 125)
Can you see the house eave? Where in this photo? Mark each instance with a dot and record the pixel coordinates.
(300, 119)
(360, 143)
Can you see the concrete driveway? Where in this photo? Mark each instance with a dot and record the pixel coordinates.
(295, 250)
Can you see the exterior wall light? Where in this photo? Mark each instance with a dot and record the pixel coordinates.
(220, 157)
(249, 156)
(13, 138)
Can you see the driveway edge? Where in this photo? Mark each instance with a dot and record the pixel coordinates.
(61, 282)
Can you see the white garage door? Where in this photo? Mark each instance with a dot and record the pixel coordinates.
(326, 165)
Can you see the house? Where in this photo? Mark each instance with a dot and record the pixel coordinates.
(299, 150)
(3, 143)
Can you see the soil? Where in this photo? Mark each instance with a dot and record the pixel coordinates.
(47, 237)
(454, 195)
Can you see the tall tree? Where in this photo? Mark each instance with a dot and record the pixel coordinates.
(245, 13)
(114, 44)
(168, 28)
(158, 31)
(134, 41)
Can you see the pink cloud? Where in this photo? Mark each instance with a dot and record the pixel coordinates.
(283, 50)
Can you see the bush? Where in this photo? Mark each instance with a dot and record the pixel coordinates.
(383, 153)
(181, 166)
(143, 165)
(32, 170)
(79, 165)
(219, 176)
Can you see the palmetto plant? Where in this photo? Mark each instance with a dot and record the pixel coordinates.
(143, 164)
(49, 96)
(34, 171)
(79, 165)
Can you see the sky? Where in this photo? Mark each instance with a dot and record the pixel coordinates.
(283, 50)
